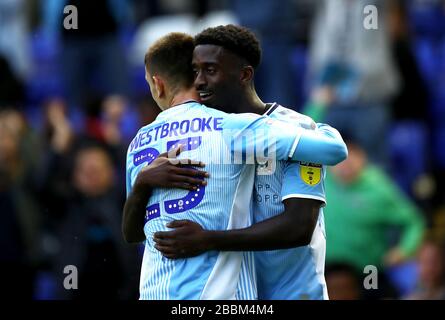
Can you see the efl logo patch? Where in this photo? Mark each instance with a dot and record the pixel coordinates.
(310, 173)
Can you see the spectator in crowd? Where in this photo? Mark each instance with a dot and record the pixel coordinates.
(14, 37)
(365, 204)
(281, 26)
(427, 24)
(431, 279)
(407, 140)
(365, 210)
(57, 140)
(343, 282)
(408, 137)
(411, 101)
(103, 122)
(89, 233)
(20, 230)
(81, 187)
(11, 88)
(356, 65)
(92, 56)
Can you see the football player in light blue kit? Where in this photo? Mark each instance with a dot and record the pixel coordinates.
(220, 205)
(298, 273)
(297, 270)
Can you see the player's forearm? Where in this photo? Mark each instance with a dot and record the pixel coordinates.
(279, 232)
(323, 146)
(133, 217)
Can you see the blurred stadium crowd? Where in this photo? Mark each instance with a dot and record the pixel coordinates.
(71, 100)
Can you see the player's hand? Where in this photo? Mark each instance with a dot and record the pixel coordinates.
(168, 172)
(188, 239)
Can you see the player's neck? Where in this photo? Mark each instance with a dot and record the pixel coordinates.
(183, 96)
(251, 103)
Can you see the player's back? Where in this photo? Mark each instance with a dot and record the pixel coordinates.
(222, 204)
(297, 272)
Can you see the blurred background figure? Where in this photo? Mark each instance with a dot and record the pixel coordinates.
(282, 28)
(343, 282)
(92, 56)
(14, 36)
(370, 221)
(11, 88)
(356, 65)
(431, 281)
(89, 233)
(163, 17)
(20, 230)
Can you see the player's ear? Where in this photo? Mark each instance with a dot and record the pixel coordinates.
(159, 86)
(246, 74)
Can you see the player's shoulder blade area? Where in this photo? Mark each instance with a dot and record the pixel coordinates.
(292, 116)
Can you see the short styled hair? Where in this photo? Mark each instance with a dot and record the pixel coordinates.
(239, 40)
(171, 57)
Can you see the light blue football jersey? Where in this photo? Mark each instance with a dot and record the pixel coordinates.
(296, 273)
(224, 203)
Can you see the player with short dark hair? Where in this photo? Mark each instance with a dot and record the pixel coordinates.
(236, 39)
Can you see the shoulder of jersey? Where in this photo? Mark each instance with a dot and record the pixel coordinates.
(212, 111)
(147, 126)
(293, 116)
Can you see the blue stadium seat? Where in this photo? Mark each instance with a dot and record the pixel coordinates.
(426, 60)
(139, 86)
(427, 19)
(439, 147)
(408, 152)
(45, 285)
(46, 78)
(299, 61)
(130, 122)
(437, 105)
(403, 277)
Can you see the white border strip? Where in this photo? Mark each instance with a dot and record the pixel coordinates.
(294, 146)
(304, 196)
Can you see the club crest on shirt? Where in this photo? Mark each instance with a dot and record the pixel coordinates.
(310, 173)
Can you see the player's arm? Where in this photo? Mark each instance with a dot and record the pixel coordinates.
(292, 228)
(324, 146)
(133, 215)
(285, 141)
(303, 193)
(163, 172)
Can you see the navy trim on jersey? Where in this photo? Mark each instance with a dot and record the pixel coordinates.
(271, 109)
(185, 102)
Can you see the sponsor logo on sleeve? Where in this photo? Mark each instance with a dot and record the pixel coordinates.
(310, 173)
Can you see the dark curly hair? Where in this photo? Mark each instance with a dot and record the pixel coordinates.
(236, 39)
